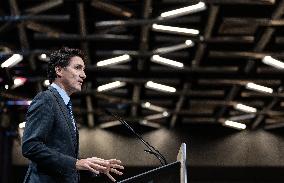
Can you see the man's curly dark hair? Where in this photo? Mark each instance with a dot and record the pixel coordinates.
(61, 58)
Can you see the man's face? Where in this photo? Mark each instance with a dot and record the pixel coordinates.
(73, 75)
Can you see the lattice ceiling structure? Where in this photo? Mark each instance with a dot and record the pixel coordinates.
(227, 52)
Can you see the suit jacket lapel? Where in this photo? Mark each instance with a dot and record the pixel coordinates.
(64, 109)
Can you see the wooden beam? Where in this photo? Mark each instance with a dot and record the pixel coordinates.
(44, 6)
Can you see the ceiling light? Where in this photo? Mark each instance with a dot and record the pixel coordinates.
(273, 62)
(13, 60)
(6, 87)
(144, 121)
(160, 60)
(165, 113)
(110, 86)
(187, 44)
(160, 87)
(150, 106)
(245, 108)
(18, 102)
(149, 124)
(113, 61)
(22, 125)
(171, 29)
(235, 124)
(43, 57)
(155, 116)
(146, 104)
(259, 88)
(110, 124)
(184, 11)
(18, 81)
(46, 83)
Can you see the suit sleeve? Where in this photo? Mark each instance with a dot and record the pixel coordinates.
(39, 122)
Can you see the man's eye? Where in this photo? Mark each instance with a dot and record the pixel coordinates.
(79, 67)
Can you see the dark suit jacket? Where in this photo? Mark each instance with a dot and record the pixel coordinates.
(50, 141)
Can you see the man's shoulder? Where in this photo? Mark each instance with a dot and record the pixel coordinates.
(43, 97)
(43, 94)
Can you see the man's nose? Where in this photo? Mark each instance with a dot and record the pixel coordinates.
(83, 75)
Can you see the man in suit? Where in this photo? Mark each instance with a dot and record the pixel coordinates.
(51, 138)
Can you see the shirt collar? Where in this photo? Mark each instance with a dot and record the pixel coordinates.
(62, 93)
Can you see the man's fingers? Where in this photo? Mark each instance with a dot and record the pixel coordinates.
(110, 177)
(98, 158)
(91, 169)
(116, 171)
(99, 161)
(117, 166)
(107, 166)
(114, 161)
(98, 167)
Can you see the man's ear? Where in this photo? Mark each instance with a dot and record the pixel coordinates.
(58, 71)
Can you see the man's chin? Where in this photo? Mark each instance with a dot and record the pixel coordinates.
(77, 89)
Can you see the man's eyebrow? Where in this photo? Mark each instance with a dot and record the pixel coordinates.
(80, 65)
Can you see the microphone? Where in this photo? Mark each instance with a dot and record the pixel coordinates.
(151, 149)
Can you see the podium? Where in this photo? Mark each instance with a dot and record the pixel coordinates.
(171, 173)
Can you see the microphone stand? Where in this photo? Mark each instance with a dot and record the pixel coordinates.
(151, 149)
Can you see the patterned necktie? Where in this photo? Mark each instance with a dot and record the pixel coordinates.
(69, 107)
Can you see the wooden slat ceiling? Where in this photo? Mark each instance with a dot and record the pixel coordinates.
(227, 54)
